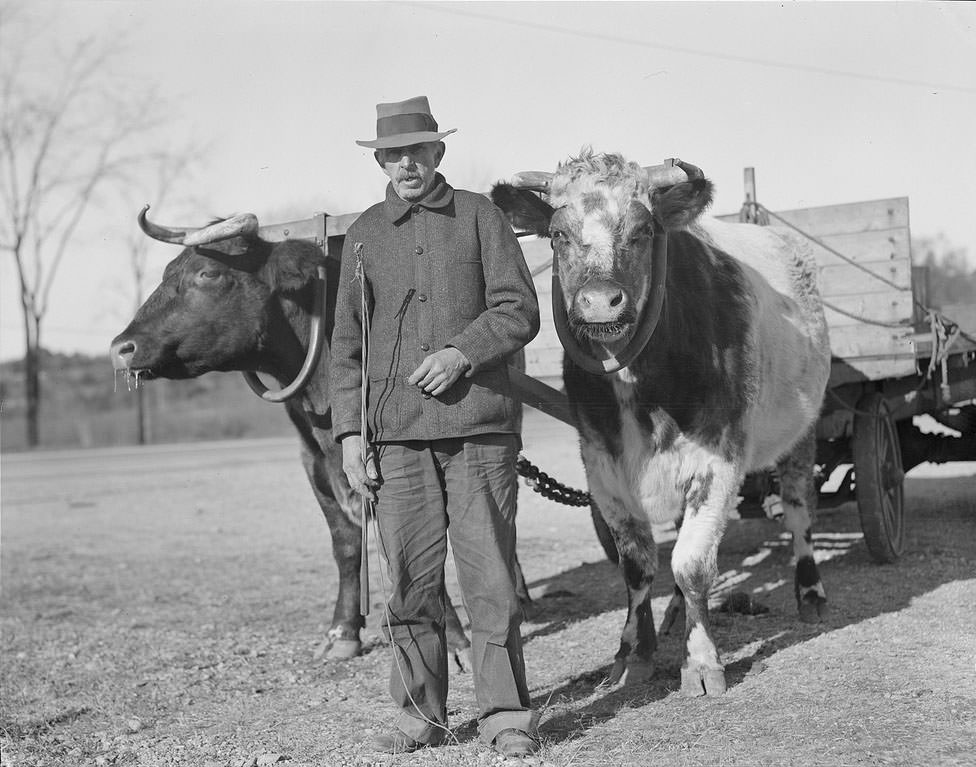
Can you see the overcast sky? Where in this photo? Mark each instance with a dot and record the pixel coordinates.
(830, 102)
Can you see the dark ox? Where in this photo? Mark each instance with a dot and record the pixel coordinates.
(730, 381)
(232, 301)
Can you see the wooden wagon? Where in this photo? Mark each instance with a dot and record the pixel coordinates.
(893, 358)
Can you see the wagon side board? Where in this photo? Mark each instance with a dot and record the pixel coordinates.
(868, 297)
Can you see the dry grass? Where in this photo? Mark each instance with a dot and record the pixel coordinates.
(165, 610)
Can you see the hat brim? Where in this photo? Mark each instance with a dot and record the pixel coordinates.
(405, 139)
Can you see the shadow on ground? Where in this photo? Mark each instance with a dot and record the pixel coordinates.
(755, 558)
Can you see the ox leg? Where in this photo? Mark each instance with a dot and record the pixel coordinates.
(694, 561)
(673, 610)
(341, 509)
(638, 563)
(799, 495)
(677, 602)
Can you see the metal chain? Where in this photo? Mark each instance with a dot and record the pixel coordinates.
(547, 487)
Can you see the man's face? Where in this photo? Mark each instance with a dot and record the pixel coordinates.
(411, 168)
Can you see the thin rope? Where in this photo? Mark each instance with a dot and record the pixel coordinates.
(866, 320)
(829, 249)
(366, 506)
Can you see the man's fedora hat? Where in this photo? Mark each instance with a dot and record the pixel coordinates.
(403, 123)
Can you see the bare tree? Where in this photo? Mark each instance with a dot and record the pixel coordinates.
(67, 129)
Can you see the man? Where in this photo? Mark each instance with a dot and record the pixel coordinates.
(449, 298)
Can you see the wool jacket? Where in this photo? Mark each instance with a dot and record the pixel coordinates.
(447, 271)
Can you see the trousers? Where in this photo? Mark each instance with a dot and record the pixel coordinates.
(463, 487)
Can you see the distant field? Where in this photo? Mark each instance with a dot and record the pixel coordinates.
(99, 412)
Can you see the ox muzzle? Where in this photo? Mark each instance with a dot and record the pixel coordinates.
(602, 310)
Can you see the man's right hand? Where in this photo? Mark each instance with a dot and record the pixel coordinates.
(363, 478)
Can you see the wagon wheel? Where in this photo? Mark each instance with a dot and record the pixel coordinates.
(879, 478)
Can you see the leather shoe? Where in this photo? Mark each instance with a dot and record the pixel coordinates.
(398, 742)
(514, 743)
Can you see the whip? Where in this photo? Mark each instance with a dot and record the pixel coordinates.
(366, 504)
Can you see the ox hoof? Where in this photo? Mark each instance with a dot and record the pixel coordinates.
(813, 610)
(462, 660)
(696, 682)
(344, 649)
(630, 672)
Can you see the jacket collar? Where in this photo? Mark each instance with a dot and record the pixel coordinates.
(441, 195)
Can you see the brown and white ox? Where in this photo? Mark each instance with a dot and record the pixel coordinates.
(233, 301)
(730, 380)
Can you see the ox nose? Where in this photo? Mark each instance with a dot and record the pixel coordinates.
(122, 353)
(601, 301)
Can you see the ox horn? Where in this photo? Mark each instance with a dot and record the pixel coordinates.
(161, 233)
(242, 224)
(533, 180)
(672, 171)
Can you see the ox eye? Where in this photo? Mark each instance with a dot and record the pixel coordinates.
(556, 234)
(209, 274)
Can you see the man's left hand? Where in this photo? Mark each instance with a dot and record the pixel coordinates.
(438, 372)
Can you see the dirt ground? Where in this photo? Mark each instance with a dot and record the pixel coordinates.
(167, 606)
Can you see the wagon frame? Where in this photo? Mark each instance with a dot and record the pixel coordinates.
(893, 358)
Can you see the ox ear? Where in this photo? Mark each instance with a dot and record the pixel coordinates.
(526, 211)
(675, 207)
(292, 265)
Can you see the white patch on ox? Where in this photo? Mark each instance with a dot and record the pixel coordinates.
(696, 548)
(595, 234)
(651, 483)
(701, 649)
(627, 376)
(651, 477)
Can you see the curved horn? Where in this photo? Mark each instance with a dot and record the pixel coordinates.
(242, 224)
(693, 171)
(534, 180)
(670, 173)
(162, 233)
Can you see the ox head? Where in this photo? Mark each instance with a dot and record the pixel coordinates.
(602, 214)
(226, 302)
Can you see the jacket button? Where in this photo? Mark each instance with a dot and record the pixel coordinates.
(418, 250)
(426, 395)
(422, 297)
(424, 347)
